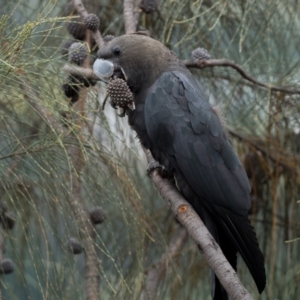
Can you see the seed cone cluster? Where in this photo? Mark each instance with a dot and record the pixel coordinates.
(148, 6)
(8, 220)
(76, 28)
(119, 93)
(91, 22)
(97, 215)
(64, 50)
(77, 53)
(74, 246)
(72, 85)
(6, 266)
(3, 208)
(200, 54)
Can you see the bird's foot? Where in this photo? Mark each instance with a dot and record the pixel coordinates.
(162, 170)
(152, 166)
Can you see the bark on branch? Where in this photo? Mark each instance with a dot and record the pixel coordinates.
(129, 19)
(227, 63)
(196, 229)
(80, 71)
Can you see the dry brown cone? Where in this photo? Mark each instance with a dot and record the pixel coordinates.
(200, 54)
(97, 215)
(6, 266)
(92, 22)
(119, 93)
(148, 6)
(74, 246)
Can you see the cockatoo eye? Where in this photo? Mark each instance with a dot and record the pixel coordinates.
(116, 50)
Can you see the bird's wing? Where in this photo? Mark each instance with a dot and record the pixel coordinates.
(182, 125)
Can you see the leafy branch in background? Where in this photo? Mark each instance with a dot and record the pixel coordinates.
(40, 127)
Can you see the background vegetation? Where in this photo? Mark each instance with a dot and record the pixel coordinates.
(95, 159)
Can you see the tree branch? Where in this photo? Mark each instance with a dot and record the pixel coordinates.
(199, 233)
(200, 64)
(80, 71)
(92, 276)
(92, 266)
(129, 19)
(74, 199)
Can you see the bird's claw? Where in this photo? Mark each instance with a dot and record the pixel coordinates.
(123, 113)
(155, 165)
(152, 166)
(112, 104)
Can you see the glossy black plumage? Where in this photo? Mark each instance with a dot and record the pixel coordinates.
(184, 133)
(191, 135)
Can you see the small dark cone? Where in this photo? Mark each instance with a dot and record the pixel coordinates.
(70, 87)
(64, 50)
(108, 38)
(148, 6)
(73, 84)
(77, 30)
(91, 22)
(85, 82)
(97, 215)
(6, 266)
(3, 208)
(8, 220)
(74, 99)
(200, 54)
(74, 246)
(78, 53)
(119, 93)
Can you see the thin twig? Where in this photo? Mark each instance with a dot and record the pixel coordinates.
(32, 97)
(92, 276)
(156, 272)
(196, 229)
(227, 63)
(92, 267)
(81, 71)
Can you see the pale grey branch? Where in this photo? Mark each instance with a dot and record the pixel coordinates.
(196, 229)
(80, 71)
(129, 16)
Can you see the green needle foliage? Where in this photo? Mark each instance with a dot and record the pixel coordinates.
(48, 145)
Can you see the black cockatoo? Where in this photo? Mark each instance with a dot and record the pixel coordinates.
(174, 120)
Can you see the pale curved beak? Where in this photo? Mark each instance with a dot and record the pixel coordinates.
(103, 69)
